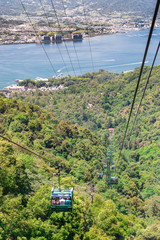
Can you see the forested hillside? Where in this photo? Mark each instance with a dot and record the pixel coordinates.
(70, 126)
(102, 100)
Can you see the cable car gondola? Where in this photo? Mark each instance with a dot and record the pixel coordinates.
(100, 175)
(114, 180)
(113, 167)
(62, 200)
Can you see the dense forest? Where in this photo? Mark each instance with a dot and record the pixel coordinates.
(71, 126)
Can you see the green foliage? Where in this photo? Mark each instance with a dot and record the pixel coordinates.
(151, 233)
(78, 137)
(13, 176)
(40, 33)
(96, 233)
(27, 83)
(51, 33)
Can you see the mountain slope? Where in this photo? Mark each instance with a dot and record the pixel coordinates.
(139, 8)
(102, 100)
(129, 210)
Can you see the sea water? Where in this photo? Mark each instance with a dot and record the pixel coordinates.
(116, 53)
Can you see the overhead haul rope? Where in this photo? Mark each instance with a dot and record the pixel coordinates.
(141, 70)
(56, 44)
(38, 36)
(145, 86)
(72, 41)
(66, 13)
(89, 43)
(60, 28)
(24, 148)
(44, 12)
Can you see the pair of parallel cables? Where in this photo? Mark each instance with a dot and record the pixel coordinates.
(140, 74)
(135, 93)
(39, 39)
(61, 31)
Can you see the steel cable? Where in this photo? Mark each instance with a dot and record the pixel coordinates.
(72, 41)
(24, 148)
(145, 86)
(89, 43)
(141, 70)
(56, 44)
(60, 28)
(38, 37)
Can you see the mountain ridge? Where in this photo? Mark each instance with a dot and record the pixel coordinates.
(141, 8)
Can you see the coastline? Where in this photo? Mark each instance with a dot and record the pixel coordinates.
(9, 42)
(113, 53)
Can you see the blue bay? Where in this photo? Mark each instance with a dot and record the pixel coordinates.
(115, 53)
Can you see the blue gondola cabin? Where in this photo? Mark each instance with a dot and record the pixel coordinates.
(100, 175)
(62, 200)
(113, 167)
(114, 180)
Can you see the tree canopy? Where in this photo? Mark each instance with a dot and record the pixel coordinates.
(71, 127)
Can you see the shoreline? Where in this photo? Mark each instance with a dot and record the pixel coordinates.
(18, 70)
(64, 40)
(68, 40)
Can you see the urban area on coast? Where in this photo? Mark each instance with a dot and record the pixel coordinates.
(71, 26)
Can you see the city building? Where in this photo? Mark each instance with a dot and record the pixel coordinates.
(46, 39)
(58, 37)
(77, 37)
(52, 39)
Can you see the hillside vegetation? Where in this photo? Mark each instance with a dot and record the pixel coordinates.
(70, 126)
(102, 100)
